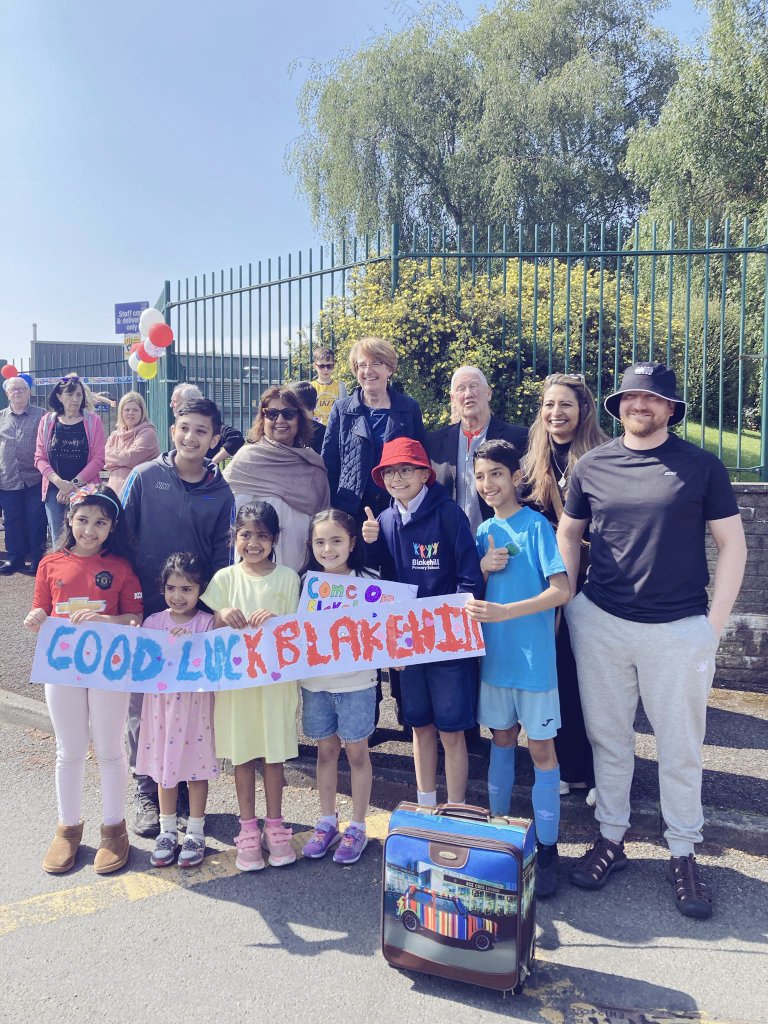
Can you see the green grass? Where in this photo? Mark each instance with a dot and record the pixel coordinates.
(750, 446)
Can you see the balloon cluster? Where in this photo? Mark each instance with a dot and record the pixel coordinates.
(156, 336)
(9, 371)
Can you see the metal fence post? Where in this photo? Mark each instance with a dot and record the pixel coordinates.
(764, 403)
(394, 259)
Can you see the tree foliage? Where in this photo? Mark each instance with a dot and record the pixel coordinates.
(523, 116)
(707, 156)
(515, 327)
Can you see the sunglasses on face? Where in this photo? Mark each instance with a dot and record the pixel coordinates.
(324, 366)
(274, 414)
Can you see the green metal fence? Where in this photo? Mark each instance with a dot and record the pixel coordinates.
(588, 300)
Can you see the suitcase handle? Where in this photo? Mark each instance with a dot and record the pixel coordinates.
(469, 811)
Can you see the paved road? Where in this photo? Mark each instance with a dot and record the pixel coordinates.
(302, 943)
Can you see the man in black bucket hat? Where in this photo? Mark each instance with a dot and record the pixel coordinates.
(640, 628)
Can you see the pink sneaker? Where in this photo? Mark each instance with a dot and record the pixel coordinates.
(277, 842)
(249, 855)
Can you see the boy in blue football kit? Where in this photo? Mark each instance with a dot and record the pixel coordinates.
(426, 539)
(525, 582)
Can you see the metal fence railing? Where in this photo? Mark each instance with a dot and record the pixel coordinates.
(591, 300)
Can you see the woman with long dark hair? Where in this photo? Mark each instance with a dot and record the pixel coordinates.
(565, 429)
(70, 448)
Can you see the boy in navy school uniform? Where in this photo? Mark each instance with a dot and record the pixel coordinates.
(436, 696)
(526, 581)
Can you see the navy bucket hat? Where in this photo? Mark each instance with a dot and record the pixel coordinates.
(653, 377)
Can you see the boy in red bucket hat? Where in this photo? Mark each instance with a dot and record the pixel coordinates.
(424, 538)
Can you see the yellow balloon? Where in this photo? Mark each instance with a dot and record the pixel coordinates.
(147, 370)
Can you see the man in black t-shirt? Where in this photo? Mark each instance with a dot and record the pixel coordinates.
(640, 627)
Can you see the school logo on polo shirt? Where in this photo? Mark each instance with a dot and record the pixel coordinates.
(103, 579)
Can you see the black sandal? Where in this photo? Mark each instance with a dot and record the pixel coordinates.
(693, 897)
(592, 870)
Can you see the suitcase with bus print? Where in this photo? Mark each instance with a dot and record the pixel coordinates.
(458, 894)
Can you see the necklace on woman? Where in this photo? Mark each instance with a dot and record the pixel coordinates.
(563, 472)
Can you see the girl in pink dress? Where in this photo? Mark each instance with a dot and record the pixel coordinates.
(176, 741)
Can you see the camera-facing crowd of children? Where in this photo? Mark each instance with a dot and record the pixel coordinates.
(164, 553)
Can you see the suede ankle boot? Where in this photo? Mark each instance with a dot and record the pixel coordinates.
(63, 850)
(113, 851)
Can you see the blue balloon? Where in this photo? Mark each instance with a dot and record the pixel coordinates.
(28, 378)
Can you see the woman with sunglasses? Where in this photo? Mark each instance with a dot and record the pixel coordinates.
(70, 448)
(279, 466)
(565, 429)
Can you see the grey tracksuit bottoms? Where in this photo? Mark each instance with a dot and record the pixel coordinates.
(670, 665)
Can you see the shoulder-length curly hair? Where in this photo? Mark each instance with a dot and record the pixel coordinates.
(289, 396)
(537, 462)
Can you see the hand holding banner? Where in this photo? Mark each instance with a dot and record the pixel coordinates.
(281, 650)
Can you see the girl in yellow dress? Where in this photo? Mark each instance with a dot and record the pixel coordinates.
(259, 722)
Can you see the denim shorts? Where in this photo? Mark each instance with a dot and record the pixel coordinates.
(440, 693)
(502, 707)
(350, 716)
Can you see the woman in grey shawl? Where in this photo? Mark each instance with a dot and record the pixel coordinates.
(278, 466)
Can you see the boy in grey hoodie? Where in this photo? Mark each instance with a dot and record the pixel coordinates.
(178, 502)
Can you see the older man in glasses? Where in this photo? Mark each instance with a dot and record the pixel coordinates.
(452, 448)
(20, 482)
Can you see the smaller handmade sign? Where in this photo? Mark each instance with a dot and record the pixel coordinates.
(325, 591)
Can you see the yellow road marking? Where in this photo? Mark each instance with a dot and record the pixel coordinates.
(83, 900)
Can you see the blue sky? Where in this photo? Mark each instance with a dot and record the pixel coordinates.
(146, 141)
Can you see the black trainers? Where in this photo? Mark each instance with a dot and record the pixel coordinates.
(591, 871)
(146, 815)
(693, 897)
(547, 863)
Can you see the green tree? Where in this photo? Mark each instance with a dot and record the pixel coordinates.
(523, 115)
(707, 156)
(437, 325)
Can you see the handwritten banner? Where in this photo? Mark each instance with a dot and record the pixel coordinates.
(282, 650)
(323, 591)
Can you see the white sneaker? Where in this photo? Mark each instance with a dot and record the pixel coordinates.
(565, 789)
(591, 797)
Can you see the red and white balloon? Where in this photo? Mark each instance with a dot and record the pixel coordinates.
(156, 337)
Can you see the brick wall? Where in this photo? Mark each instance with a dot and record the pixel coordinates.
(742, 662)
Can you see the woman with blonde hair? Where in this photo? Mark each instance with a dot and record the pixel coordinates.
(132, 442)
(565, 429)
(360, 424)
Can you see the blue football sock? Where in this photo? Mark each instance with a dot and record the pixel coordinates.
(501, 778)
(546, 804)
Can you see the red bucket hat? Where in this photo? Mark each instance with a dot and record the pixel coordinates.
(403, 451)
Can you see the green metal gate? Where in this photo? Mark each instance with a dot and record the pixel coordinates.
(690, 295)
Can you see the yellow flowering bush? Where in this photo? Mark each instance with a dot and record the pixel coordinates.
(516, 330)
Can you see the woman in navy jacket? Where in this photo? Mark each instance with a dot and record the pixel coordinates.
(360, 424)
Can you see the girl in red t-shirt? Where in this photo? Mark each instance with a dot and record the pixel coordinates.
(89, 577)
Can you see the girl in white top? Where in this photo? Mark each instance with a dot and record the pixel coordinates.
(341, 709)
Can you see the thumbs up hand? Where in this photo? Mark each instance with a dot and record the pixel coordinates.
(370, 527)
(495, 558)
